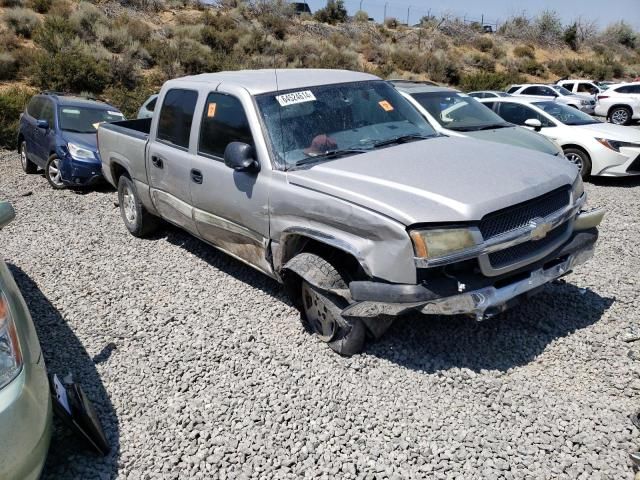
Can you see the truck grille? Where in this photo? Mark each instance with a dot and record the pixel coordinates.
(518, 216)
(521, 251)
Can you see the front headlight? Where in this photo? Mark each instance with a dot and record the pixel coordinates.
(585, 102)
(616, 145)
(10, 353)
(77, 151)
(578, 188)
(440, 242)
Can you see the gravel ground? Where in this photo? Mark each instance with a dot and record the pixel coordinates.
(199, 367)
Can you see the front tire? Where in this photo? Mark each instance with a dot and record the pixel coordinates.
(580, 158)
(53, 174)
(138, 221)
(620, 116)
(321, 310)
(27, 165)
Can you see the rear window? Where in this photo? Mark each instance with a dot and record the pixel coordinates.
(513, 89)
(176, 117)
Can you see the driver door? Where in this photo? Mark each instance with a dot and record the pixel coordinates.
(231, 208)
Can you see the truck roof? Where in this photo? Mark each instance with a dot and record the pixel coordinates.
(263, 81)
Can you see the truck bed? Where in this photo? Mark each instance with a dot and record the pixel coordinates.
(124, 143)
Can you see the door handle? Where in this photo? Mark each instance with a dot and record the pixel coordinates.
(196, 176)
(157, 162)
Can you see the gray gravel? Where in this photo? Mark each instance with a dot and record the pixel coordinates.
(199, 367)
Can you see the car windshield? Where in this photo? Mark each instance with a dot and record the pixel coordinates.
(86, 120)
(561, 90)
(458, 111)
(314, 124)
(565, 114)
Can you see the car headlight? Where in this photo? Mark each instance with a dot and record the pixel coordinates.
(440, 242)
(77, 151)
(578, 188)
(10, 353)
(585, 102)
(616, 145)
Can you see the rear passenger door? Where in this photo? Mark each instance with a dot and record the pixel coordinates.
(231, 207)
(168, 159)
(42, 136)
(29, 128)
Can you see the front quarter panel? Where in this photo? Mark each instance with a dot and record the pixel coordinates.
(380, 244)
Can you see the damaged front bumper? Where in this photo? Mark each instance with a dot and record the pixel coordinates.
(372, 299)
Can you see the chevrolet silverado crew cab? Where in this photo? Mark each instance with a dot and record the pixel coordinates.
(333, 184)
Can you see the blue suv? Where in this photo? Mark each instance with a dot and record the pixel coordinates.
(58, 133)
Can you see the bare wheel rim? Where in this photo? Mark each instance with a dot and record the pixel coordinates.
(620, 116)
(318, 314)
(54, 172)
(23, 155)
(129, 205)
(576, 159)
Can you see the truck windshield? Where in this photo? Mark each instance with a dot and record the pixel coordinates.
(85, 120)
(561, 90)
(565, 114)
(459, 112)
(320, 123)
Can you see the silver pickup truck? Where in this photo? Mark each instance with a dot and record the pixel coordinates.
(331, 183)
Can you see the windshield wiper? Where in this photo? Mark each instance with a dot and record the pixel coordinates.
(402, 139)
(476, 128)
(330, 155)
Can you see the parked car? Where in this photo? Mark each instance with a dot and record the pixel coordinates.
(620, 104)
(58, 133)
(25, 402)
(584, 88)
(330, 182)
(597, 148)
(456, 114)
(553, 92)
(489, 94)
(146, 110)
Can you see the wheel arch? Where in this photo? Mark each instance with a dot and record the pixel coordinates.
(117, 170)
(19, 142)
(618, 105)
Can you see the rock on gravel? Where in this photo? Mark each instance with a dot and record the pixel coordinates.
(199, 367)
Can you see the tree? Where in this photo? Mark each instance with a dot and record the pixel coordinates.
(570, 36)
(334, 12)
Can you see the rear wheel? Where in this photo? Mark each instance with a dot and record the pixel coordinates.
(620, 116)
(580, 158)
(52, 172)
(27, 165)
(136, 218)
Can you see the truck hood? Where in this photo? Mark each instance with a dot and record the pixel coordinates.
(517, 136)
(438, 180)
(611, 132)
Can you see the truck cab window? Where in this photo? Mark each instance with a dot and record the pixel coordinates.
(176, 115)
(223, 121)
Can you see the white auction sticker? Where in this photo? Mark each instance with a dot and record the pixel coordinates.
(295, 97)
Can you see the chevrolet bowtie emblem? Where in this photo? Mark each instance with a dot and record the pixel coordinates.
(539, 228)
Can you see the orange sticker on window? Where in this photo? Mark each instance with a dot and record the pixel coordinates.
(386, 106)
(211, 110)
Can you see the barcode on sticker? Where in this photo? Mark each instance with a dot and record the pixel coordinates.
(295, 97)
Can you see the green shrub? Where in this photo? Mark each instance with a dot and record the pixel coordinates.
(391, 22)
(9, 40)
(558, 67)
(138, 29)
(361, 16)
(115, 39)
(124, 71)
(54, 33)
(531, 67)
(275, 24)
(11, 3)
(525, 51)
(622, 33)
(73, 68)
(220, 31)
(22, 21)
(409, 60)
(8, 66)
(40, 6)
(489, 81)
(334, 12)
(481, 62)
(484, 44)
(12, 103)
(129, 100)
(570, 36)
(87, 19)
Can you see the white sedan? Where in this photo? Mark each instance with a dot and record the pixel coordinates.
(597, 148)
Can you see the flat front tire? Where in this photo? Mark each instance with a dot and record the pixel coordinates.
(27, 165)
(53, 174)
(138, 221)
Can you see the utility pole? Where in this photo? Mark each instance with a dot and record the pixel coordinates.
(361, 5)
(385, 11)
(408, 13)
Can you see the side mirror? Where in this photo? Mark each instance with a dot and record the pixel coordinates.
(7, 213)
(44, 124)
(534, 123)
(241, 157)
